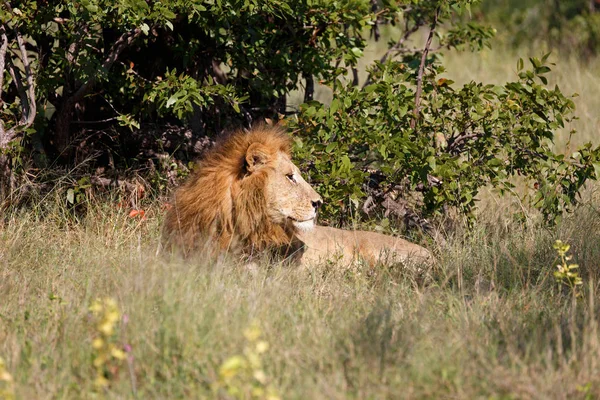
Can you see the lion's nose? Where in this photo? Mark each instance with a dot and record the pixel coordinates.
(317, 203)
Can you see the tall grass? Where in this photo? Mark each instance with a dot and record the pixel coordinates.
(490, 322)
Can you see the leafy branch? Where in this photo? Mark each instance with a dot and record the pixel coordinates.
(26, 92)
(422, 68)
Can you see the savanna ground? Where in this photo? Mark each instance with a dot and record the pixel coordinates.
(490, 323)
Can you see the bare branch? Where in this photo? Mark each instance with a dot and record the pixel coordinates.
(375, 28)
(400, 42)
(121, 44)
(456, 143)
(31, 105)
(3, 50)
(413, 123)
(26, 92)
(310, 88)
(354, 76)
(105, 182)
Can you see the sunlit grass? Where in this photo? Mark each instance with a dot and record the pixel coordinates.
(491, 323)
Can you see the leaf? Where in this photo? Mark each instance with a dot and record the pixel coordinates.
(358, 53)
(346, 163)
(335, 105)
(145, 28)
(71, 196)
(520, 64)
(542, 70)
(137, 213)
(597, 170)
(370, 88)
(172, 100)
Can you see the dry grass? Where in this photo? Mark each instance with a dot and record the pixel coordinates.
(492, 322)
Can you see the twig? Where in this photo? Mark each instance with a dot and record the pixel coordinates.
(396, 47)
(100, 121)
(105, 182)
(3, 50)
(400, 42)
(310, 88)
(458, 140)
(375, 29)
(413, 123)
(26, 93)
(121, 44)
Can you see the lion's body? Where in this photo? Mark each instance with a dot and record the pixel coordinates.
(323, 243)
(246, 196)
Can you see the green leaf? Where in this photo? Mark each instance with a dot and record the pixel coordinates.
(520, 64)
(172, 100)
(358, 53)
(335, 105)
(596, 166)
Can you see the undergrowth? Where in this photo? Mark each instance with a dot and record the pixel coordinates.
(491, 321)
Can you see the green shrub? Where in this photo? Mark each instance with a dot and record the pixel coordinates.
(99, 63)
(408, 133)
(411, 131)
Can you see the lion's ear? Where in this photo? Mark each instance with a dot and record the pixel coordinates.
(256, 157)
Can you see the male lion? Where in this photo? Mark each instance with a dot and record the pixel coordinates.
(246, 195)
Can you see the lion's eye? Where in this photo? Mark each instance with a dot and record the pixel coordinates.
(291, 178)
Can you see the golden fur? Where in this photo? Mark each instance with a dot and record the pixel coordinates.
(223, 202)
(246, 195)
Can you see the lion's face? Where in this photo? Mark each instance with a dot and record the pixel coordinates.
(290, 199)
(245, 194)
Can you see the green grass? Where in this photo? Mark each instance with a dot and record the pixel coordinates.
(490, 323)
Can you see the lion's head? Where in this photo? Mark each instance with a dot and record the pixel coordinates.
(244, 194)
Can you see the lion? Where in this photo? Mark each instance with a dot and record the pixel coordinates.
(247, 197)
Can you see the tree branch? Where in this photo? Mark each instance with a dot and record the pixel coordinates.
(121, 44)
(26, 92)
(31, 107)
(413, 123)
(455, 143)
(396, 47)
(310, 88)
(3, 50)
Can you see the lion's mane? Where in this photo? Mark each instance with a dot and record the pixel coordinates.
(223, 206)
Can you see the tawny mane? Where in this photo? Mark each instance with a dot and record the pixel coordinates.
(223, 206)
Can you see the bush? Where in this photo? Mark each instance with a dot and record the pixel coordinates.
(409, 131)
(99, 63)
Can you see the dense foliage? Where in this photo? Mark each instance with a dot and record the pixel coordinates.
(366, 143)
(407, 141)
(212, 64)
(412, 140)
